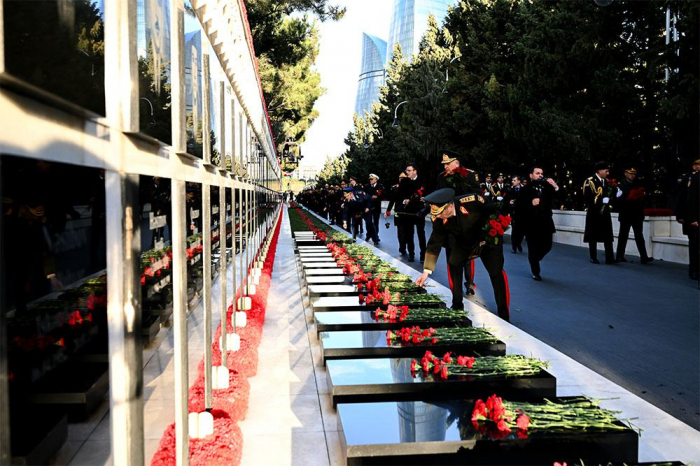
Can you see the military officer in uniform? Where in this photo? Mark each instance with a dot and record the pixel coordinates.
(355, 210)
(597, 192)
(462, 181)
(688, 214)
(631, 214)
(464, 217)
(376, 191)
(499, 189)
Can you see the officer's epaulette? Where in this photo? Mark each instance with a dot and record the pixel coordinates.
(470, 198)
(590, 178)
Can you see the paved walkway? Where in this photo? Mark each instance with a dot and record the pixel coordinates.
(638, 326)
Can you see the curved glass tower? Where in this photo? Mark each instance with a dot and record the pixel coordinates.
(409, 20)
(371, 74)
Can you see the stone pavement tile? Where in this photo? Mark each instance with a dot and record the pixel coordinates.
(92, 453)
(83, 429)
(66, 453)
(335, 449)
(309, 448)
(303, 380)
(267, 449)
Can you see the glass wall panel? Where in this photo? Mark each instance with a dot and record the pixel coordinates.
(193, 223)
(53, 300)
(153, 46)
(217, 78)
(58, 46)
(194, 40)
(156, 256)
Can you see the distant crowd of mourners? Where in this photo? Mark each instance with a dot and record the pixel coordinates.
(465, 210)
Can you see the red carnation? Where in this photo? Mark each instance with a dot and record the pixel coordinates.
(493, 232)
(523, 422)
(443, 372)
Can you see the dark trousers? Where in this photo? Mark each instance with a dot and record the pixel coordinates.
(468, 270)
(516, 235)
(357, 226)
(538, 246)
(693, 234)
(375, 220)
(409, 223)
(492, 258)
(637, 227)
(593, 251)
(398, 223)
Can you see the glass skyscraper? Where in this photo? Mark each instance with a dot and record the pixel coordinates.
(371, 73)
(409, 20)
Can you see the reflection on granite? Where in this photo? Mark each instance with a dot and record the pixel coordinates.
(333, 340)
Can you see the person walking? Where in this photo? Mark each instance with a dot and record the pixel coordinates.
(517, 230)
(536, 201)
(411, 192)
(598, 193)
(462, 181)
(396, 204)
(631, 215)
(465, 217)
(376, 192)
(688, 214)
(355, 210)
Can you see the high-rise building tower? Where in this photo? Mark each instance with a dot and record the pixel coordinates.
(409, 20)
(371, 73)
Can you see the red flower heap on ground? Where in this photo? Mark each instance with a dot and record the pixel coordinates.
(225, 446)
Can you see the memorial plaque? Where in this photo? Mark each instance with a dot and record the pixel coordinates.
(372, 345)
(316, 291)
(326, 280)
(362, 320)
(371, 380)
(416, 432)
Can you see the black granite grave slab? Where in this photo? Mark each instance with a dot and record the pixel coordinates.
(319, 255)
(38, 432)
(320, 264)
(348, 303)
(371, 380)
(416, 432)
(150, 326)
(317, 291)
(308, 242)
(362, 320)
(323, 271)
(77, 387)
(312, 248)
(372, 345)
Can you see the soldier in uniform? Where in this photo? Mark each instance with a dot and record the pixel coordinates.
(462, 181)
(355, 210)
(395, 203)
(486, 187)
(499, 189)
(631, 208)
(376, 192)
(688, 214)
(464, 217)
(536, 201)
(597, 192)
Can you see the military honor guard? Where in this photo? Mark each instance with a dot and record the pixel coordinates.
(598, 193)
(355, 210)
(376, 192)
(465, 217)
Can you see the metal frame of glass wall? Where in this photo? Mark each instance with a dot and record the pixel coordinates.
(113, 143)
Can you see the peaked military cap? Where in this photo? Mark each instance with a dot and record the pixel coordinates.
(349, 189)
(696, 162)
(372, 175)
(402, 175)
(631, 171)
(439, 199)
(602, 166)
(449, 156)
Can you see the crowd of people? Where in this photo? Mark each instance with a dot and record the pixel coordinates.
(461, 205)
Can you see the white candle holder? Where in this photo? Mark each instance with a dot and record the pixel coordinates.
(241, 319)
(233, 342)
(244, 303)
(220, 377)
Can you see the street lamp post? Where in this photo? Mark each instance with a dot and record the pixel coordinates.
(395, 124)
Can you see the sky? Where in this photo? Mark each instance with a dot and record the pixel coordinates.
(339, 61)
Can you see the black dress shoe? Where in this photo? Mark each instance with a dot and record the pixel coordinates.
(403, 253)
(537, 277)
(647, 260)
(411, 258)
(520, 248)
(621, 259)
(513, 251)
(470, 291)
(422, 257)
(595, 261)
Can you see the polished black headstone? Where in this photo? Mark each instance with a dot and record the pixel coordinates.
(370, 380)
(415, 432)
(324, 271)
(354, 345)
(362, 320)
(320, 264)
(326, 280)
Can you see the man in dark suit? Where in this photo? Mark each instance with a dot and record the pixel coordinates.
(411, 192)
(598, 193)
(688, 214)
(536, 201)
(631, 215)
(465, 217)
(517, 231)
(396, 204)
